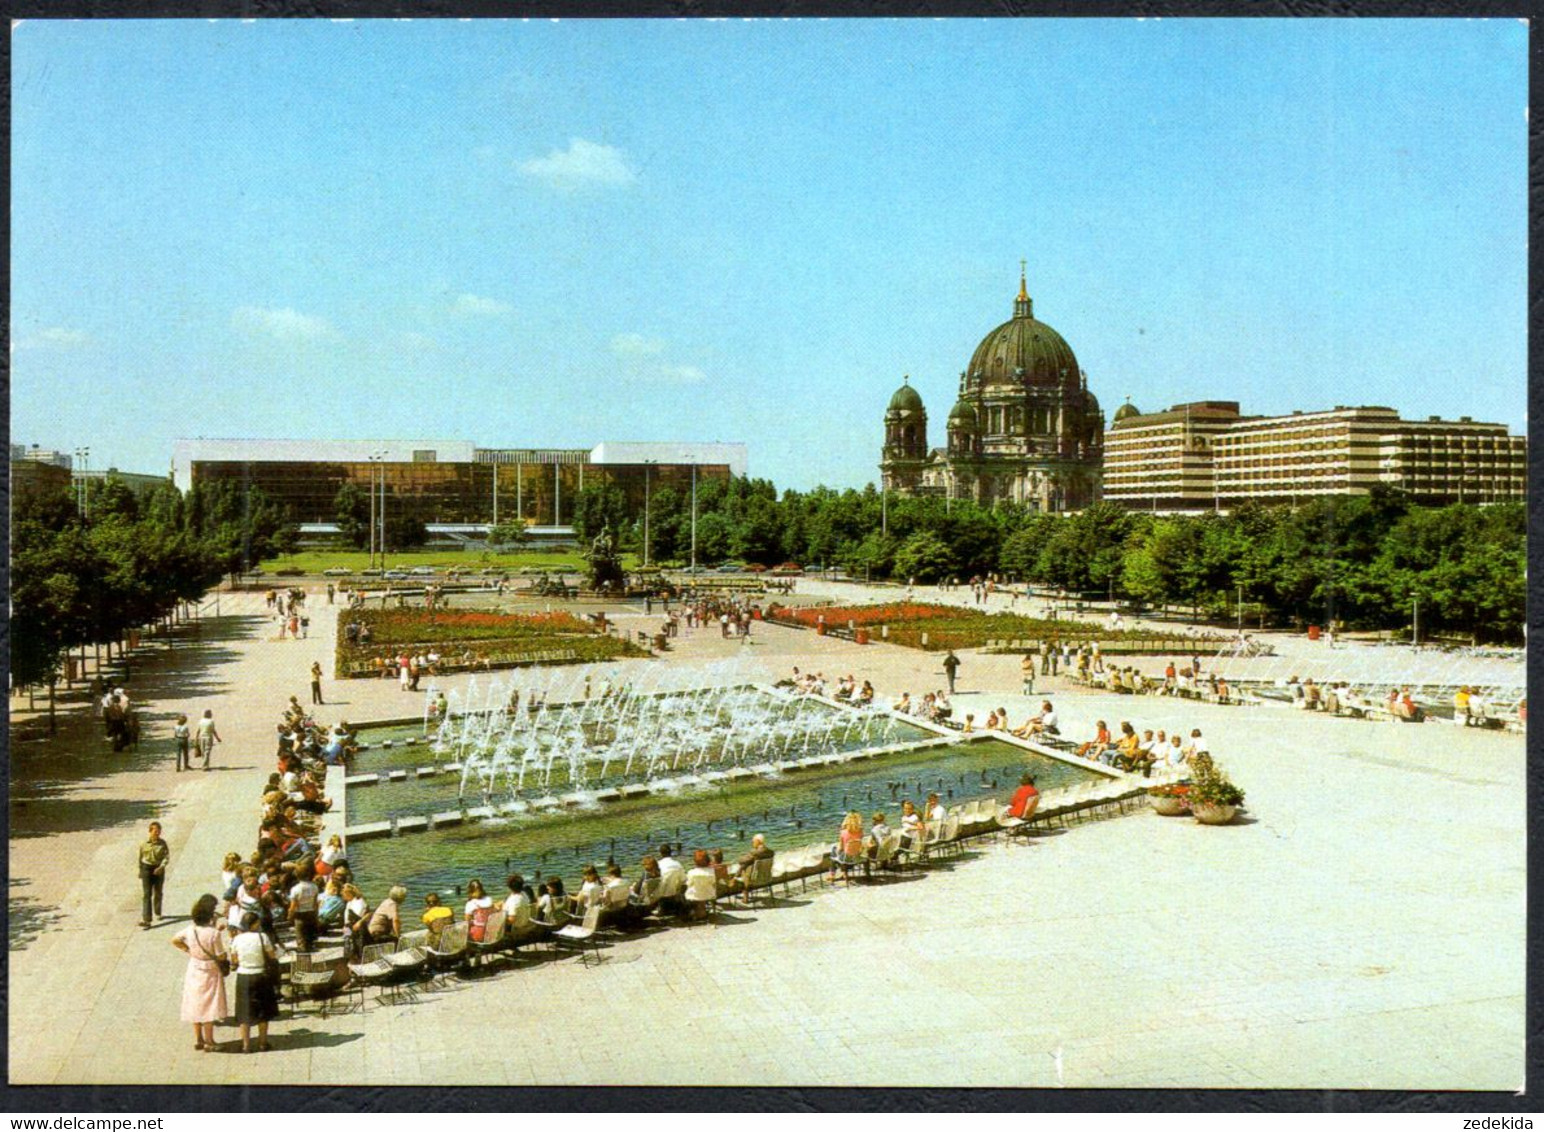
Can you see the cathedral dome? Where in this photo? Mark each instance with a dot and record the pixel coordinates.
(905, 399)
(1126, 410)
(963, 415)
(1023, 351)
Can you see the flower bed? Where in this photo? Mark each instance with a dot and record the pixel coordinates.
(418, 626)
(466, 640)
(954, 627)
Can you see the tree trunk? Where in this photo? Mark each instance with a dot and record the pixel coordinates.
(52, 723)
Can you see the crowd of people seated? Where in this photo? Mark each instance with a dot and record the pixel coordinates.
(848, 690)
(1187, 681)
(1145, 752)
(312, 743)
(1340, 697)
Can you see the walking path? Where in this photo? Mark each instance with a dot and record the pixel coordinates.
(1363, 928)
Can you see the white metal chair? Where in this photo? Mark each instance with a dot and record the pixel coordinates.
(450, 950)
(579, 934)
(702, 895)
(758, 877)
(373, 969)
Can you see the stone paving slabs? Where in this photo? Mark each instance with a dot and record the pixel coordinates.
(1362, 928)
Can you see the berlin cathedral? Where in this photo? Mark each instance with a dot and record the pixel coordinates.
(1026, 428)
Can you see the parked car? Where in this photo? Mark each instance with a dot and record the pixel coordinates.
(336, 572)
(788, 568)
(422, 571)
(372, 573)
(731, 568)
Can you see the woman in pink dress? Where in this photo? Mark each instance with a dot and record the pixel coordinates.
(203, 987)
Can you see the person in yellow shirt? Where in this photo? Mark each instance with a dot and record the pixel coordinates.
(1126, 748)
(1461, 705)
(436, 917)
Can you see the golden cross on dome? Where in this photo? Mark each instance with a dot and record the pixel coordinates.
(1023, 288)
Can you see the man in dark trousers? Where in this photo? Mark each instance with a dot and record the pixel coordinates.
(951, 666)
(153, 857)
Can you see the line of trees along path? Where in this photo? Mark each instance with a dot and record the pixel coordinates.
(1361, 560)
(136, 561)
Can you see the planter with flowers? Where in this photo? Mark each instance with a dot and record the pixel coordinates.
(1214, 800)
(1171, 799)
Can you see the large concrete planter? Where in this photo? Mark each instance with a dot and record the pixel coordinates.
(1168, 805)
(1208, 813)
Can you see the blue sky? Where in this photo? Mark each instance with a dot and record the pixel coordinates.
(558, 233)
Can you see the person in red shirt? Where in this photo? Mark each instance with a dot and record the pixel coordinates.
(1098, 744)
(1025, 799)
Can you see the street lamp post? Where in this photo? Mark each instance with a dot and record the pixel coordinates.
(83, 457)
(1415, 622)
(694, 518)
(373, 459)
(647, 467)
(383, 511)
(1240, 611)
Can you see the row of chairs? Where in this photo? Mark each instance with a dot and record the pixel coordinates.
(323, 974)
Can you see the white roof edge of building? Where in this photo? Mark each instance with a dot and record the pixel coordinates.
(671, 452)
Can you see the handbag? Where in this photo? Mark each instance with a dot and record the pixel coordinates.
(222, 961)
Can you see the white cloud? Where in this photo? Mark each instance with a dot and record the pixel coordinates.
(281, 323)
(636, 346)
(52, 338)
(583, 162)
(642, 360)
(477, 304)
(680, 375)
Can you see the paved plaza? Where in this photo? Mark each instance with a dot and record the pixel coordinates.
(1362, 927)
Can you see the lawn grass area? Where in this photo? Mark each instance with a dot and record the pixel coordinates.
(315, 561)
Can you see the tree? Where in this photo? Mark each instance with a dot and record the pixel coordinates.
(405, 533)
(1087, 550)
(352, 510)
(1021, 550)
(873, 557)
(600, 505)
(924, 556)
(757, 537)
(507, 535)
(712, 537)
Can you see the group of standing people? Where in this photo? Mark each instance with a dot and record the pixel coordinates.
(120, 720)
(290, 611)
(250, 954)
(195, 741)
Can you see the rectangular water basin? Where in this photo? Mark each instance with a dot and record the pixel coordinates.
(789, 810)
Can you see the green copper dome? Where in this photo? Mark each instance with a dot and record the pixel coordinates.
(1024, 351)
(905, 399)
(963, 415)
(1126, 410)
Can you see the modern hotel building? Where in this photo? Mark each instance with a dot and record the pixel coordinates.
(1205, 455)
